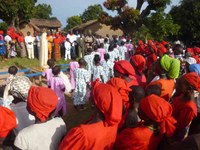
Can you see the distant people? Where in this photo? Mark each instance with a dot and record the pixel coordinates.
(57, 42)
(73, 65)
(29, 45)
(48, 72)
(13, 52)
(122, 51)
(8, 39)
(101, 51)
(50, 44)
(67, 49)
(20, 40)
(47, 131)
(72, 39)
(2, 48)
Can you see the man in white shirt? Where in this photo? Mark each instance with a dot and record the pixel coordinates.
(67, 49)
(29, 45)
(72, 39)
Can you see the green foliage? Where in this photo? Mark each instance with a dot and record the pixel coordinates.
(73, 21)
(161, 25)
(92, 12)
(15, 11)
(187, 15)
(3, 26)
(42, 11)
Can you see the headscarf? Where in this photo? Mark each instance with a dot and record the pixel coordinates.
(1, 32)
(121, 87)
(124, 67)
(20, 86)
(139, 62)
(161, 48)
(7, 121)
(164, 43)
(42, 101)
(109, 102)
(191, 60)
(160, 111)
(171, 66)
(193, 79)
(195, 68)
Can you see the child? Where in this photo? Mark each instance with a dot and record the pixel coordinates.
(56, 83)
(106, 44)
(81, 81)
(48, 72)
(122, 51)
(107, 65)
(13, 52)
(111, 53)
(116, 50)
(12, 71)
(73, 65)
(67, 49)
(89, 59)
(102, 51)
(97, 70)
(2, 48)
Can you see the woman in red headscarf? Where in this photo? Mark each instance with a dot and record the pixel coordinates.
(57, 41)
(7, 122)
(157, 122)
(123, 69)
(139, 63)
(184, 106)
(102, 132)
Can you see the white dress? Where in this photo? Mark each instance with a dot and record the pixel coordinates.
(122, 52)
(97, 72)
(89, 60)
(116, 51)
(81, 78)
(108, 70)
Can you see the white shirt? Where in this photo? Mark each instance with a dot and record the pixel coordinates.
(7, 38)
(67, 46)
(24, 119)
(29, 41)
(72, 38)
(43, 136)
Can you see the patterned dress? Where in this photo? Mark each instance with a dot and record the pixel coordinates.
(116, 53)
(122, 52)
(108, 70)
(81, 78)
(112, 55)
(89, 60)
(97, 72)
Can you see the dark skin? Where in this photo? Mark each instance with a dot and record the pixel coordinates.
(122, 76)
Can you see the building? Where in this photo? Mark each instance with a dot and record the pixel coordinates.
(98, 28)
(39, 25)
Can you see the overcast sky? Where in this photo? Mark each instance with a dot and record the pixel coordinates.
(62, 9)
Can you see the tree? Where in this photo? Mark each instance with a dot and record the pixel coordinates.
(129, 19)
(187, 15)
(3, 26)
(161, 25)
(73, 21)
(42, 11)
(13, 12)
(92, 12)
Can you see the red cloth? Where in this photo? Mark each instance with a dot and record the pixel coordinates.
(139, 80)
(42, 101)
(94, 136)
(7, 121)
(124, 67)
(151, 59)
(160, 111)
(139, 62)
(161, 48)
(164, 43)
(139, 138)
(1, 32)
(109, 102)
(193, 79)
(167, 87)
(183, 112)
(20, 38)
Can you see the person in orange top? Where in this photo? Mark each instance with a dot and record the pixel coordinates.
(8, 122)
(50, 42)
(101, 133)
(139, 63)
(123, 69)
(184, 106)
(157, 118)
(20, 40)
(57, 41)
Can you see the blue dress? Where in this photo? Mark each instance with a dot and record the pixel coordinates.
(2, 48)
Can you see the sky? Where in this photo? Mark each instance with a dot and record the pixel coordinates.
(63, 9)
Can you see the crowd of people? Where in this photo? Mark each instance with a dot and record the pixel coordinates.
(146, 97)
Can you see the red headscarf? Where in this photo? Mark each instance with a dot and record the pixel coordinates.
(160, 111)
(193, 79)
(42, 101)
(139, 62)
(1, 32)
(124, 67)
(161, 48)
(164, 43)
(109, 102)
(7, 121)
(121, 87)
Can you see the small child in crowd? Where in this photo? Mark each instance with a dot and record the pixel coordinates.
(122, 51)
(107, 65)
(67, 49)
(56, 83)
(73, 65)
(2, 48)
(12, 70)
(48, 72)
(97, 69)
(13, 52)
(82, 81)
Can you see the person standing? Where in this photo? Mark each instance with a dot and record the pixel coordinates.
(50, 41)
(7, 39)
(57, 41)
(67, 49)
(29, 45)
(20, 40)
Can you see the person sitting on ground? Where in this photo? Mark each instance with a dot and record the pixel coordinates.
(47, 131)
(101, 132)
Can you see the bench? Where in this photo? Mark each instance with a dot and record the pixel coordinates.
(19, 71)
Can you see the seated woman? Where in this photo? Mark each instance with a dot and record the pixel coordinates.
(157, 118)
(184, 106)
(100, 133)
(47, 131)
(168, 70)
